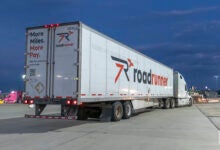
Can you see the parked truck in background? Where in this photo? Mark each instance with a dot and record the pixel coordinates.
(92, 75)
(13, 97)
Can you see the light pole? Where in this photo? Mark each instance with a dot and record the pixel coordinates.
(216, 78)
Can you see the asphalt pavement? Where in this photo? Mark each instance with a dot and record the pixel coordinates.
(185, 128)
(212, 112)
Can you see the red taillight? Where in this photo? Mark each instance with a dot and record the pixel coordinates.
(51, 25)
(46, 26)
(25, 102)
(68, 102)
(57, 25)
(74, 102)
(71, 102)
(31, 101)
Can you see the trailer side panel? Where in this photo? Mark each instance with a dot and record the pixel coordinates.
(113, 71)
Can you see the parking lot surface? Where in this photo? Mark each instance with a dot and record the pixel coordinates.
(185, 128)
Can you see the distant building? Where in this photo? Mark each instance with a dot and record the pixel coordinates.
(209, 94)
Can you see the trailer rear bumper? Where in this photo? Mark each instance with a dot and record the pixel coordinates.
(51, 117)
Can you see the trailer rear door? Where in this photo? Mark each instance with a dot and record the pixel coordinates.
(37, 62)
(52, 61)
(65, 61)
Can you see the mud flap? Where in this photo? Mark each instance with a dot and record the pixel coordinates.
(106, 113)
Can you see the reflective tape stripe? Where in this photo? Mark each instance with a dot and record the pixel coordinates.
(51, 117)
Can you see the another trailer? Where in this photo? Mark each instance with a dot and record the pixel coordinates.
(92, 75)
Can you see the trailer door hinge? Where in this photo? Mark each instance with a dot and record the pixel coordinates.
(75, 78)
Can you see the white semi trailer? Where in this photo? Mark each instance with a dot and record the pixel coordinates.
(92, 75)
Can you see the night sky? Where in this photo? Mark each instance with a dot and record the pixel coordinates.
(181, 34)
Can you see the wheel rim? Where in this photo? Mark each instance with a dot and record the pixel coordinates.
(167, 104)
(128, 110)
(173, 104)
(118, 112)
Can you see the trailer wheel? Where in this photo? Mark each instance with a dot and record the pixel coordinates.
(82, 115)
(117, 111)
(176, 103)
(127, 110)
(172, 103)
(166, 103)
(160, 103)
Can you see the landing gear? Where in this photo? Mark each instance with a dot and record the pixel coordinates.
(39, 108)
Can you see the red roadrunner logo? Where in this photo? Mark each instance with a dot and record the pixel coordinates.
(64, 39)
(122, 64)
(140, 76)
(64, 36)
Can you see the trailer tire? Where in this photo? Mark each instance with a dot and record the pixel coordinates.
(127, 110)
(176, 103)
(166, 103)
(82, 115)
(172, 103)
(117, 111)
(160, 103)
